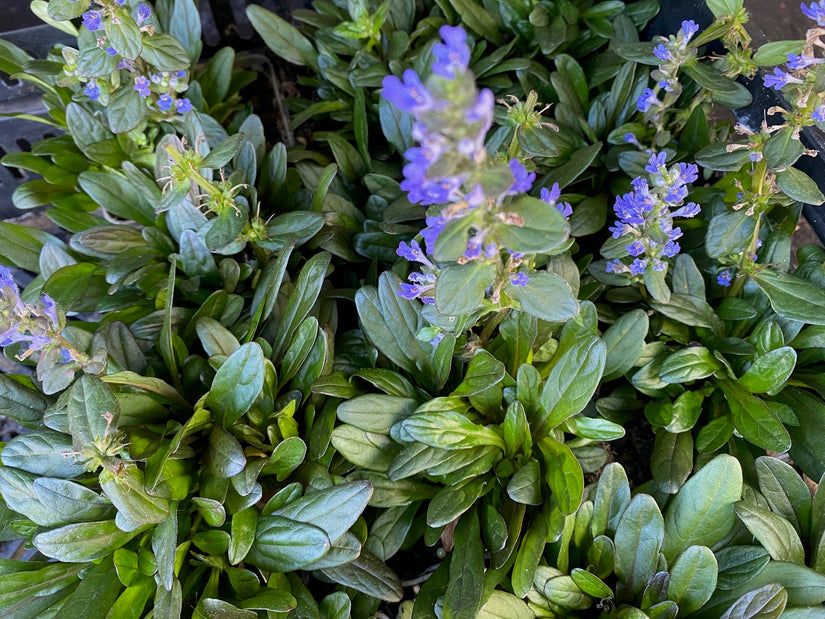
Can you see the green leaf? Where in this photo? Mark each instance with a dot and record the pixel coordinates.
(460, 287)
(723, 89)
(135, 507)
(124, 34)
(237, 384)
(23, 584)
(545, 296)
(61, 10)
(564, 475)
(612, 498)
(164, 545)
(738, 564)
(92, 411)
(624, 343)
(333, 510)
(703, 511)
(96, 593)
(462, 599)
(804, 586)
(776, 52)
(688, 364)
(25, 406)
(792, 297)
(638, 540)
(368, 575)
(503, 605)
(165, 52)
(766, 602)
(284, 545)
(781, 486)
(449, 430)
(541, 228)
(301, 300)
(672, 459)
(42, 452)
(282, 38)
(272, 600)
(691, 311)
(20, 245)
(115, 194)
(775, 533)
(729, 232)
(125, 111)
(769, 371)
(799, 186)
(529, 554)
(692, 579)
(225, 457)
(477, 19)
(570, 385)
(783, 149)
(82, 542)
(525, 486)
(723, 8)
(755, 419)
(376, 412)
(483, 372)
(242, 535)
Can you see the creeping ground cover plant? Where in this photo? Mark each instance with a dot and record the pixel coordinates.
(441, 309)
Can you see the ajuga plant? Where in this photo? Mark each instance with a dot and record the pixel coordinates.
(254, 374)
(176, 324)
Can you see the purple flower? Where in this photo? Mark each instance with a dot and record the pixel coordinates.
(165, 102)
(522, 180)
(801, 62)
(434, 227)
(662, 52)
(50, 309)
(656, 163)
(638, 266)
(819, 114)
(755, 156)
(142, 86)
(421, 285)
(179, 74)
(666, 84)
(670, 249)
(551, 196)
(92, 20)
(183, 105)
(816, 12)
(780, 79)
(724, 278)
(646, 100)
(519, 279)
(92, 90)
(630, 138)
(413, 253)
(614, 266)
(658, 265)
(453, 55)
(691, 209)
(143, 13)
(411, 95)
(111, 51)
(474, 247)
(689, 28)
(636, 248)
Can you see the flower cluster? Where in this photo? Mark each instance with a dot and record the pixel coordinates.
(646, 215)
(40, 329)
(671, 54)
(450, 165)
(802, 74)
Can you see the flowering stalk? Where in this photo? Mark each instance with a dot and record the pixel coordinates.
(40, 328)
(646, 216)
(452, 167)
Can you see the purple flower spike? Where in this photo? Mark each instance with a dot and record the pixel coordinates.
(819, 114)
(801, 62)
(656, 163)
(453, 55)
(410, 95)
(635, 248)
(519, 279)
(816, 12)
(413, 253)
(92, 20)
